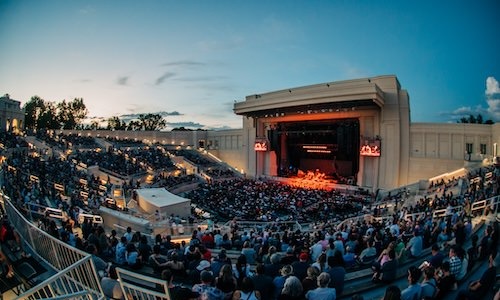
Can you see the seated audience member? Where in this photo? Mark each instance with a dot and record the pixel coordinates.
(249, 252)
(5, 260)
(279, 281)
(349, 258)
(177, 292)
(219, 261)
(392, 292)
(388, 271)
(247, 291)
(263, 283)
(132, 257)
(437, 257)
(100, 265)
(322, 292)
(337, 272)
(320, 263)
(445, 280)
(110, 285)
(300, 266)
(206, 282)
(121, 249)
(368, 255)
(415, 245)
(157, 261)
(176, 265)
(413, 291)
(292, 289)
(311, 280)
(428, 284)
(241, 268)
(226, 282)
(455, 262)
(479, 288)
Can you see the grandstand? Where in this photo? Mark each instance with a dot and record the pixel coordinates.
(39, 188)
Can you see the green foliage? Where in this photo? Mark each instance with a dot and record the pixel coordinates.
(40, 113)
(152, 122)
(474, 120)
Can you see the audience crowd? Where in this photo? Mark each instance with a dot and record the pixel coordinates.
(273, 262)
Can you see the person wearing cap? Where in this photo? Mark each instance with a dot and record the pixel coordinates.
(300, 267)
(414, 290)
(195, 273)
(279, 281)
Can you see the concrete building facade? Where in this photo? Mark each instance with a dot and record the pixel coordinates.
(11, 114)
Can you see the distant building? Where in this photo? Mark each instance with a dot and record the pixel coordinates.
(11, 115)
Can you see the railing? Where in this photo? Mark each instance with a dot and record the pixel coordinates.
(138, 286)
(75, 269)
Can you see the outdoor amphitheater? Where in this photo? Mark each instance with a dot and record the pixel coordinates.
(324, 181)
(38, 190)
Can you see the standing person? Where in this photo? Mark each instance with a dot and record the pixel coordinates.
(413, 290)
(247, 291)
(322, 292)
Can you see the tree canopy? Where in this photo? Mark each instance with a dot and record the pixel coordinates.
(474, 120)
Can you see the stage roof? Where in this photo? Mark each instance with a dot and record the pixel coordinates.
(160, 197)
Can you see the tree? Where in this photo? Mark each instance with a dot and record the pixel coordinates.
(152, 122)
(71, 114)
(134, 125)
(115, 123)
(40, 114)
(475, 120)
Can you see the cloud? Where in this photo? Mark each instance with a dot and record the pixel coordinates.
(183, 63)
(492, 86)
(493, 98)
(164, 77)
(135, 115)
(185, 125)
(122, 80)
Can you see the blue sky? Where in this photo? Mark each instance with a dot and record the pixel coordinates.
(192, 59)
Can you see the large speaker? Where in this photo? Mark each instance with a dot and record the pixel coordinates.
(272, 136)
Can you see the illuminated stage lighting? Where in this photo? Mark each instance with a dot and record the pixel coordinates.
(318, 151)
(314, 147)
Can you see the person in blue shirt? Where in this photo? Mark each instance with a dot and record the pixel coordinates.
(415, 245)
(414, 290)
